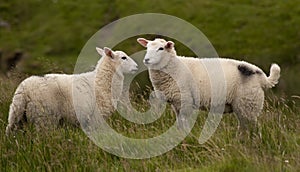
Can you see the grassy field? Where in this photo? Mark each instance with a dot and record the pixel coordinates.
(52, 33)
(70, 149)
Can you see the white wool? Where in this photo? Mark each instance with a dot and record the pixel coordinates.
(46, 101)
(244, 82)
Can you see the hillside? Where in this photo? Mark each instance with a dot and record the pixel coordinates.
(53, 32)
(46, 36)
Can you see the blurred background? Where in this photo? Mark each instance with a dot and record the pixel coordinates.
(46, 36)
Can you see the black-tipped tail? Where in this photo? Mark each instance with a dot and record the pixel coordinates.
(245, 70)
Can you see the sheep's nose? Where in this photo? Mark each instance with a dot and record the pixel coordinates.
(146, 61)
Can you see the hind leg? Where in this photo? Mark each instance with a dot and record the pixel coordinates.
(247, 106)
(45, 123)
(42, 117)
(16, 115)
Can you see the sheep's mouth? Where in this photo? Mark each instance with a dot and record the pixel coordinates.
(134, 70)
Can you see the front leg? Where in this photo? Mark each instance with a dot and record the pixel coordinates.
(182, 115)
(176, 111)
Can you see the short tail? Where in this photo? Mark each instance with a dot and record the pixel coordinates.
(16, 110)
(272, 80)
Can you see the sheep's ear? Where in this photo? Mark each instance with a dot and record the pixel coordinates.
(169, 45)
(143, 41)
(109, 52)
(100, 51)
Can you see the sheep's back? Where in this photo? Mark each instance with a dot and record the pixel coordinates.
(49, 95)
(206, 69)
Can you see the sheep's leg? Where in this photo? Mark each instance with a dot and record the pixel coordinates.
(16, 112)
(247, 106)
(41, 116)
(44, 123)
(246, 123)
(179, 117)
(182, 115)
(175, 109)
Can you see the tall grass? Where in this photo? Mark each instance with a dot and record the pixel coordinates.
(51, 33)
(69, 149)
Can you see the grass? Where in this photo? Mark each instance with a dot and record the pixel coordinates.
(52, 33)
(69, 149)
(261, 32)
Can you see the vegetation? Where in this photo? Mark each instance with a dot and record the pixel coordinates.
(52, 33)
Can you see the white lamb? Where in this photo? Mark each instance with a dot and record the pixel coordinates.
(47, 101)
(244, 82)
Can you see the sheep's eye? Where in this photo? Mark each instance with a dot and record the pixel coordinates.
(123, 58)
(161, 48)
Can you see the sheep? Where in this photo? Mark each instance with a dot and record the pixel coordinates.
(244, 82)
(47, 101)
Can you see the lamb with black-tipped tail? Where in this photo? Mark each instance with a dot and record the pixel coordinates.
(244, 82)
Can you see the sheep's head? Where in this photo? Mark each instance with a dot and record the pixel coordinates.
(159, 52)
(120, 60)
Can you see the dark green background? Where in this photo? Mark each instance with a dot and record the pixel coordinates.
(52, 33)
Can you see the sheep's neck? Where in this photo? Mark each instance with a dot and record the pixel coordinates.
(164, 77)
(168, 71)
(107, 80)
